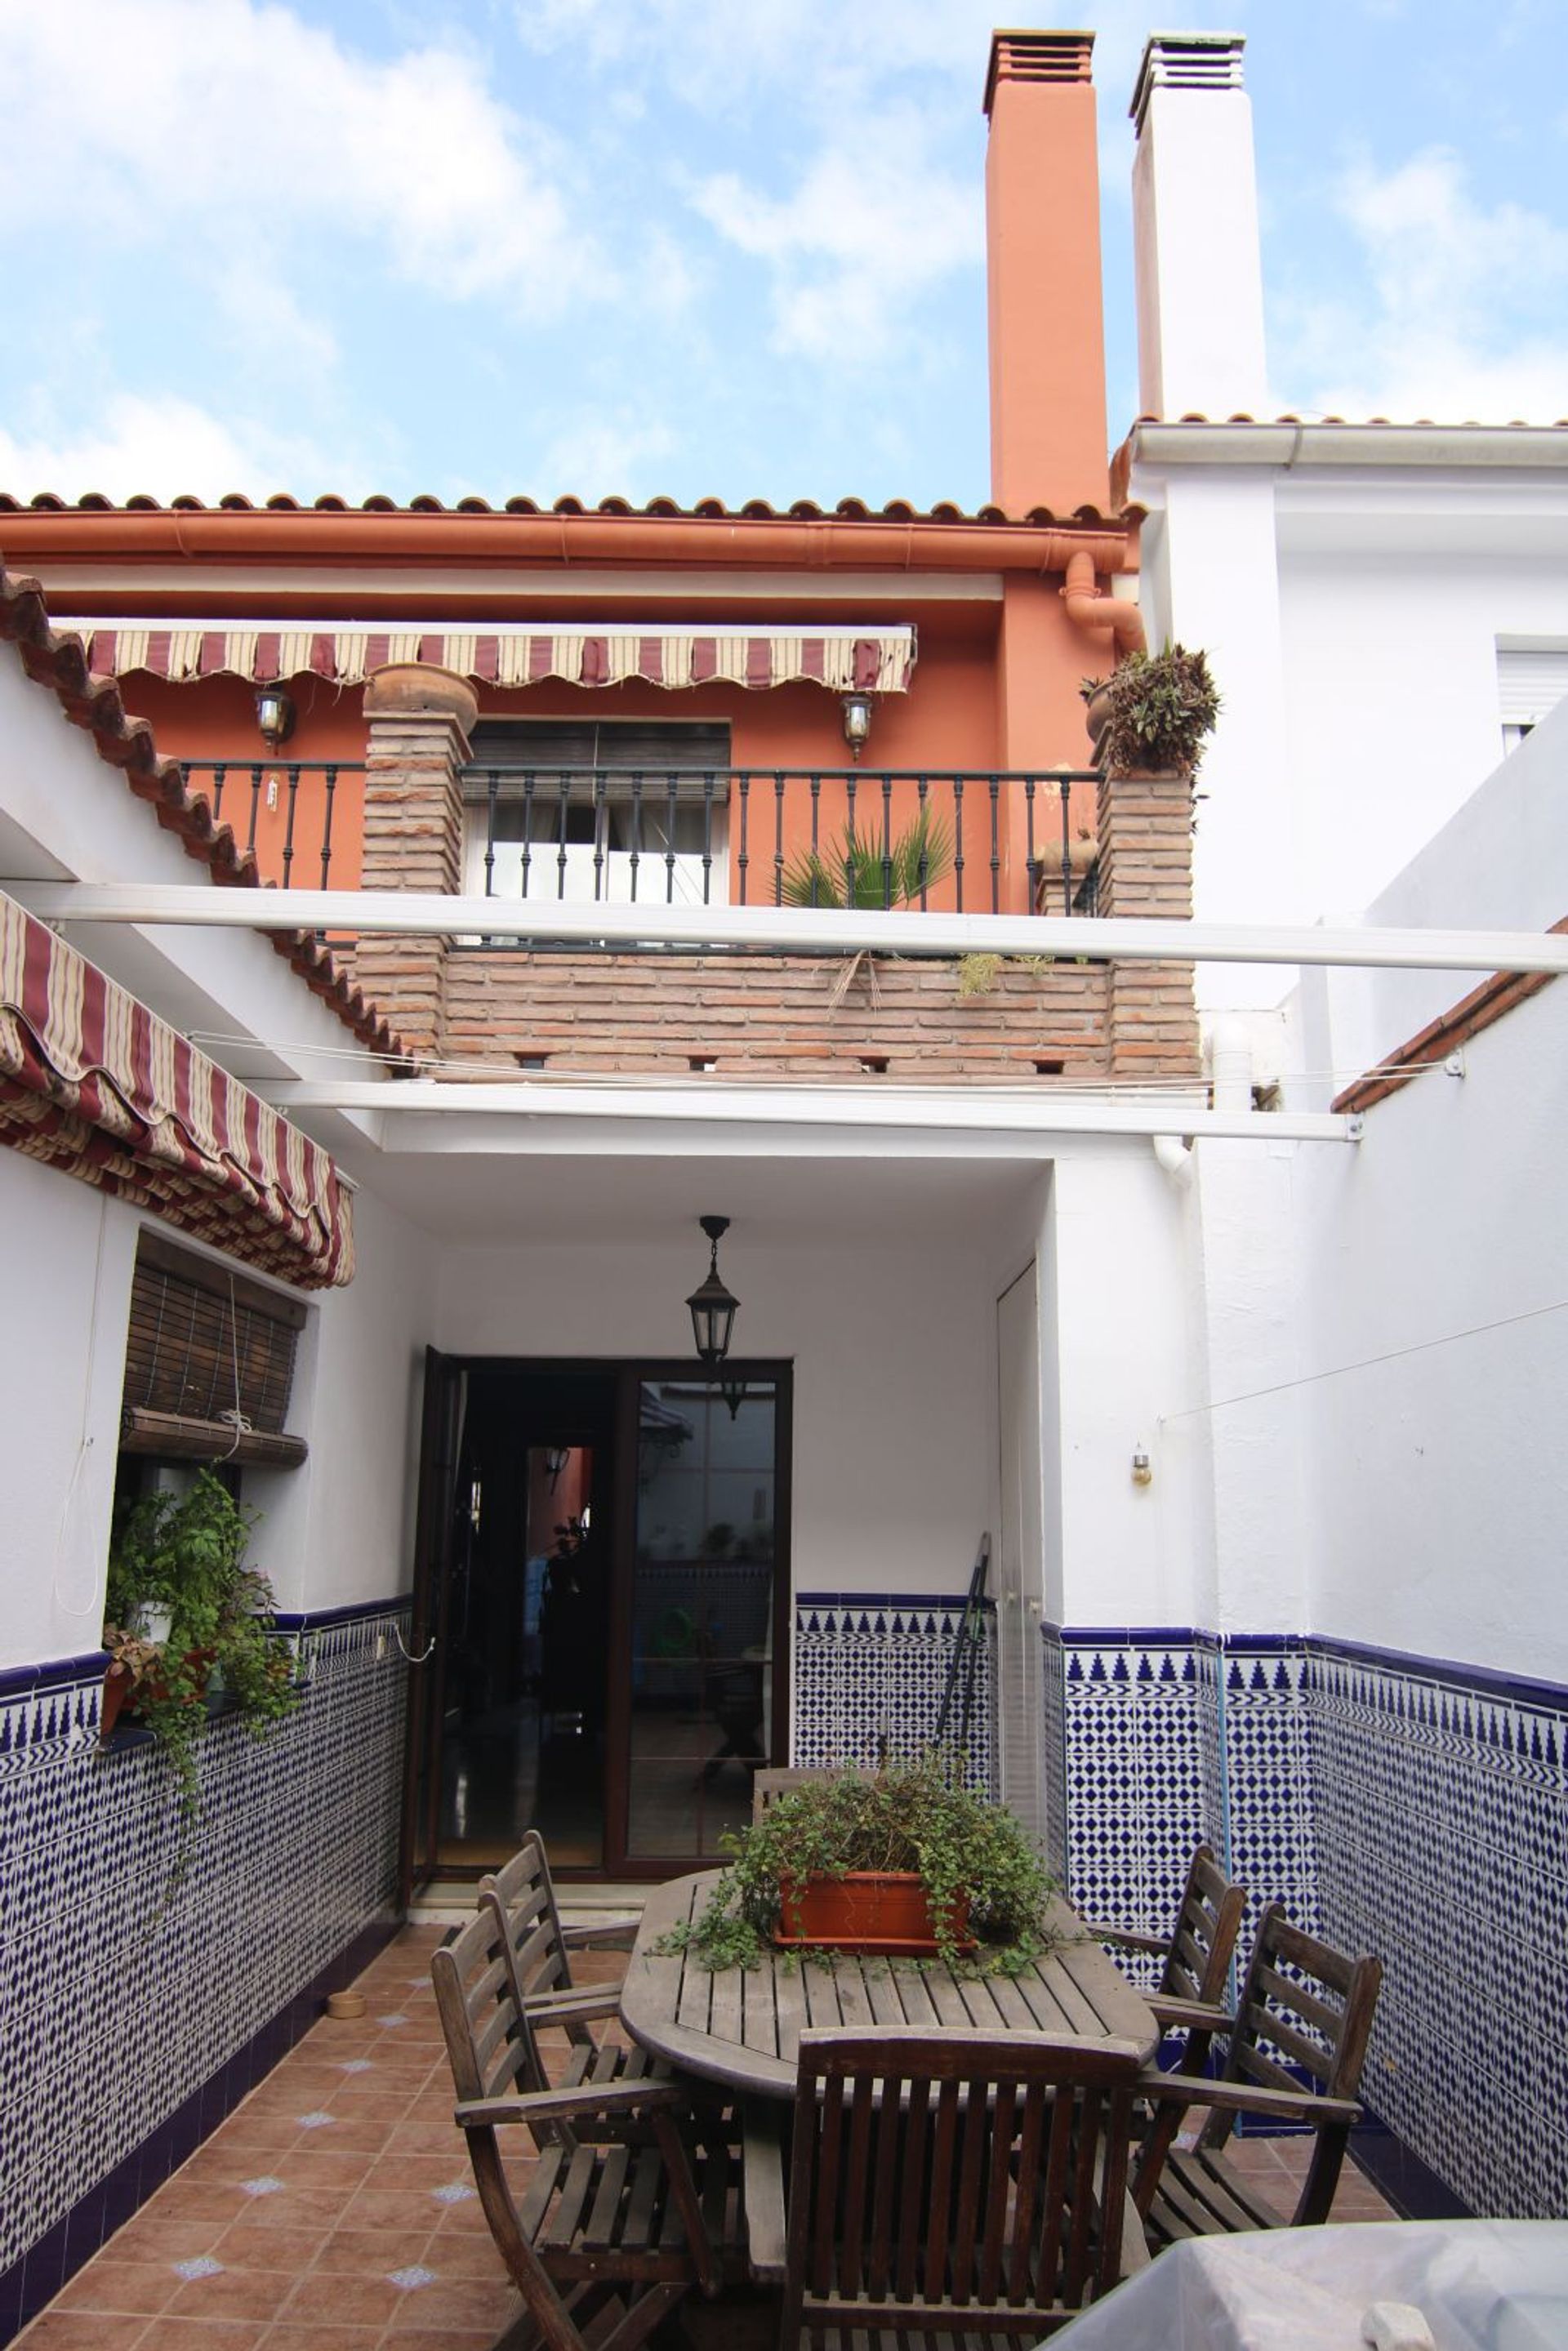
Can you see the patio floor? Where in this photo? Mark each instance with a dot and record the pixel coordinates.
(334, 2209)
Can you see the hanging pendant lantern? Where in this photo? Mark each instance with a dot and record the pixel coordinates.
(713, 1308)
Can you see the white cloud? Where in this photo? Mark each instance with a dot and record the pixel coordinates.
(611, 454)
(167, 447)
(235, 124)
(872, 225)
(1460, 316)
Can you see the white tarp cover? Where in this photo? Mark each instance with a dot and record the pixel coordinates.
(1481, 2285)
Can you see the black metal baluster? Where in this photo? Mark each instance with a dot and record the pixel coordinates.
(1066, 846)
(707, 833)
(220, 776)
(743, 786)
(996, 791)
(886, 843)
(255, 808)
(492, 800)
(599, 791)
(849, 844)
(670, 843)
(778, 783)
(636, 854)
(1029, 866)
(289, 821)
(327, 825)
(529, 788)
(560, 838)
(923, 794)
(958, 844)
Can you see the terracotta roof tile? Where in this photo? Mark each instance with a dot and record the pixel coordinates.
(59, 661)
(707, 509)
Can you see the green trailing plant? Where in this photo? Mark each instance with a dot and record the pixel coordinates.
(1158, 711)
(912, 1815)
(182, 1555)
(864, 872)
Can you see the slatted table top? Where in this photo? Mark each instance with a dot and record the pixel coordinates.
(743, 2026)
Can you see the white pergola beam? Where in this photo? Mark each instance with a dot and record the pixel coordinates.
(934, 1110)
(812, 930)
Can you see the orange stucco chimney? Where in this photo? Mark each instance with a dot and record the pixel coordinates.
(1043, 267)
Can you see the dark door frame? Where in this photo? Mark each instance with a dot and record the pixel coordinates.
(445, 1375)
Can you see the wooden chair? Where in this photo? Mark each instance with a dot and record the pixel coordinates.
(635, 2220)
(1197, 1953)
(1303, 2005)
(956, 2183)
(520, 1901)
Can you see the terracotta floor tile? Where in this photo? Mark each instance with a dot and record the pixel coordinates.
(156, 2234)
(441, 2338)
(112, 2283)
(467, 2218)
(316, 2205)
(419, 2173)
(472, 2304)
(195, 2199)
(77, 2330)
(370, 2253)
(391, 2208)
(417, 2137)
(458, 2253)
(339, 2299)
(233, 2293)
(324, 2162)
(255, 2242)
(207, 2333)
(320, 2337)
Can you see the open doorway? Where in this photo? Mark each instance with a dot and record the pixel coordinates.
(601, 1613)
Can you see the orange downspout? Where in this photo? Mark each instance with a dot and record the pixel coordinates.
(1088, 609)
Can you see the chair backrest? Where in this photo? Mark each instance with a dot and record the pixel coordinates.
(955, 2182)
(1308, 2007)
(521, 1895)
(766, 1787)
(1197, 1966)
(488, 2039)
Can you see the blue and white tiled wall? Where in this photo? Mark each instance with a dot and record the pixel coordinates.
(1399, 1806)
(873, 1666)
(134, 2014)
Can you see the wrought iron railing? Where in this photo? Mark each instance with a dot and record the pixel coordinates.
(283, 810)
(969, 841)
(975, 840)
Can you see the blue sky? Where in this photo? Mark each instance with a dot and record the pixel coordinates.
(695, 246)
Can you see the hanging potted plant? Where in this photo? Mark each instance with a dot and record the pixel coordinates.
(1154, 714)
(905, 1861)
(186, 1618)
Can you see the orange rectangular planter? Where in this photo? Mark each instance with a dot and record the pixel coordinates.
(881, 1914)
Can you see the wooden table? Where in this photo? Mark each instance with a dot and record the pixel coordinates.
(743, 2026)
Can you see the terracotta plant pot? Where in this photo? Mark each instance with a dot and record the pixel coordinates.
(119, 1703)
(867, 1910)
(422, 689)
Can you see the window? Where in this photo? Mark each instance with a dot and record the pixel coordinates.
(1532, 680)
(582, 811)
(209, 1362)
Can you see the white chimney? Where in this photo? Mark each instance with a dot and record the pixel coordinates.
(1195, 232)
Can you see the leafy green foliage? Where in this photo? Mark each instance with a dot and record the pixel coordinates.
(1162, 710)
(184, 1553)
(912, 1815)
(861, 872)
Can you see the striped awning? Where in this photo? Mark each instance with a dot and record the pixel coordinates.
(93, 1083)
(875, 661)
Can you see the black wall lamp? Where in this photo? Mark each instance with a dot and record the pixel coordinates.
(274, 716)
(712, 1305)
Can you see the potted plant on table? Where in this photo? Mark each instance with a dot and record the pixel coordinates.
(904, 1861)
(185, 1616)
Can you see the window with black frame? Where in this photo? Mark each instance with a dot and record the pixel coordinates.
(587, 812)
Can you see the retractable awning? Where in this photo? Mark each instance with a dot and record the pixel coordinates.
(877, 661)
(93, 1083)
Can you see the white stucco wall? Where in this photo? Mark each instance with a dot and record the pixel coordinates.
(66, 1255)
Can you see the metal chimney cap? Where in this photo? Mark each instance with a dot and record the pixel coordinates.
(1194, 61)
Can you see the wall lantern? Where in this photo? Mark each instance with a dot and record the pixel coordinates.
(556, 1458)
(734, 1393)
(712, 1306)
(857, 721)
(274, 716)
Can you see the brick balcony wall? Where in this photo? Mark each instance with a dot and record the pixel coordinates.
(760, 1016)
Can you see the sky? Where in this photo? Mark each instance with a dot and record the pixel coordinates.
(696, 247)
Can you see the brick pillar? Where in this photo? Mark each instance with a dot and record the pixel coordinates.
(419, 722)
(1146, 868)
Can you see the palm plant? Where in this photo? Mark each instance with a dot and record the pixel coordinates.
(868, 871)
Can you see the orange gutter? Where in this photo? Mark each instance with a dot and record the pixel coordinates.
(553, 539)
